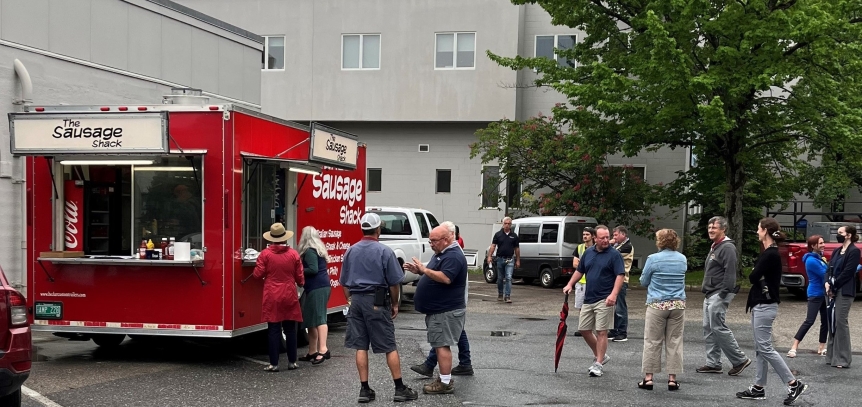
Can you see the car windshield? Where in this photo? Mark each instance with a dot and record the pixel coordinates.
(394, 223)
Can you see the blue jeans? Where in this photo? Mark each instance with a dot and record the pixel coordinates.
(275, 340)
(463, 353)
(621, 314)
(504, 284)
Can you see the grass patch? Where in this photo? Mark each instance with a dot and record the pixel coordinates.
(477, 272)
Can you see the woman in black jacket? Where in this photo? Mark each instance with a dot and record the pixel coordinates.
(763, 302)
(841, 287)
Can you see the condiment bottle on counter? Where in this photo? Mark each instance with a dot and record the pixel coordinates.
(142, 250)
(164, 247)
(170, 255)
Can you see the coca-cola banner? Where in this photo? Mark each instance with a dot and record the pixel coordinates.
(73, 216)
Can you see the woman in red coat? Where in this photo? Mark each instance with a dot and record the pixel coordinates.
(280, 267)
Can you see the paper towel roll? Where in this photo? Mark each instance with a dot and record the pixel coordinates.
(182, 251)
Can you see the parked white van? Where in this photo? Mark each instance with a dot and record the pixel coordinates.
(547, 244)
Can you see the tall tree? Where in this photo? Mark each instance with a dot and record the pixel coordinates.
(559, 176)
(763, 86)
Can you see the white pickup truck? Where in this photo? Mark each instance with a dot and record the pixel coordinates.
(406, 231)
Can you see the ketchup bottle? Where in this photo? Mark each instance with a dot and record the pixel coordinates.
(164, 247)
(142, 250)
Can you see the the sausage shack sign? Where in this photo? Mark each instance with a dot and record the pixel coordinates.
(88, 133)
(333, 147)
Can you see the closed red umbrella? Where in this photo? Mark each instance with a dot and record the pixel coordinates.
(561, 333)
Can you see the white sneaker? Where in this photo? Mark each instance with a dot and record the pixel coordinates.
(596, 370)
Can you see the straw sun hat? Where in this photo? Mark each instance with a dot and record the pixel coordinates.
(277, 234)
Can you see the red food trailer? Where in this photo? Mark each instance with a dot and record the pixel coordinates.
(101, 181)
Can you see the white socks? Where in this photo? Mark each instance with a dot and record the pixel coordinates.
(445, 378)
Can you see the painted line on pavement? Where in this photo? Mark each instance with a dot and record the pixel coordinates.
(483, 295)
(253, 360)
(33, 394)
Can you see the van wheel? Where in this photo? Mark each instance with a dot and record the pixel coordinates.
(108, 340)
(490, 275)
(547, 278)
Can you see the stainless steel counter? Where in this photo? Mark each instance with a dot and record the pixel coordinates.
(120, 262)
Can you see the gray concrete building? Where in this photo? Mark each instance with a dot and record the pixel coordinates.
(413, 80)
(103, 52)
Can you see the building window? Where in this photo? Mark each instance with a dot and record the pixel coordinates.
(455, 51)
(375, 182)
(490, 186)
(360, 51)
(273, 53)
(444, 181)
(513, 191)
(639, 171)
(546, 45)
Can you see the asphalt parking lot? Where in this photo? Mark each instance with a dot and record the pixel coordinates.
(512, 349)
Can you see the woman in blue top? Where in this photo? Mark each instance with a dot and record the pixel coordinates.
(316, 294)
(815, 266)
(664, 277)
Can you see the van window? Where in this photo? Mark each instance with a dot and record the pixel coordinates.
(550, 232)
(394, 223)
(432, 220)
(528, 233)
(574, 232)
(423, 226)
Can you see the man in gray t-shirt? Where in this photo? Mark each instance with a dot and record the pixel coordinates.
(369, 268)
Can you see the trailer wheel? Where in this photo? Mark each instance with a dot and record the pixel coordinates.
(108, 340)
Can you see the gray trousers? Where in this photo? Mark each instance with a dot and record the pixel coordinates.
(838, 344)
(717, 335)
(762, 317)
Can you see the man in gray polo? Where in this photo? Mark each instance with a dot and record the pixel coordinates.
(719, 285)
(440, 296)
(369, 270)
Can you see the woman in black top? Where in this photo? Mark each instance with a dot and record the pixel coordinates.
(841, 288)
(763, 302)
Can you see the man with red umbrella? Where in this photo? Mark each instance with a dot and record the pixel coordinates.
(603, 266)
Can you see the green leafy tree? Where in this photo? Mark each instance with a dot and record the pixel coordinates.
(560, 177)
(762, 86)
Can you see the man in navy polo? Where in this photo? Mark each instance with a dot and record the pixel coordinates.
(605, 272)
(440, 296)
(507, 245)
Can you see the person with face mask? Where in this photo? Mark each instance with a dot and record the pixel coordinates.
(841, 287)
(815, 267)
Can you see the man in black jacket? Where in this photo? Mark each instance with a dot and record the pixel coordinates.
(719, 285)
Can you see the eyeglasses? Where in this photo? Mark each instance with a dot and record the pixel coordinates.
(435, 240)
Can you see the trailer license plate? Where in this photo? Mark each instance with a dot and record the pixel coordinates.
(49, 310)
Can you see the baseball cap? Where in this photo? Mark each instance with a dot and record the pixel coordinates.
(369, 221)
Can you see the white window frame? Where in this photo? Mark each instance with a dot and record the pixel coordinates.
(266, 52)
(556, 44)
(362, 52)
(633, 166)
(455, 51)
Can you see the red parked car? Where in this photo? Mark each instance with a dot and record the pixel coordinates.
(15, 343)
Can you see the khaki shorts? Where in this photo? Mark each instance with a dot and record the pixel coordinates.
(596, 317)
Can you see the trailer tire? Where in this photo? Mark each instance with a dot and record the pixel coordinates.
(301, 337)
(108, 340)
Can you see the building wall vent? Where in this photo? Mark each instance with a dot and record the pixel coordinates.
(424, 148)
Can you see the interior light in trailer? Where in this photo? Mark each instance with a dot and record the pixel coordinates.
(106, 162)
(304, 170)
(189, 169)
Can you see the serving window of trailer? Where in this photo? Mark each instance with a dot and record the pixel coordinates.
(126, 201)
(264, 198)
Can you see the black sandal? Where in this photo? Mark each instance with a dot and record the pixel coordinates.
(672, 385)
(308, 357)
(643, 384)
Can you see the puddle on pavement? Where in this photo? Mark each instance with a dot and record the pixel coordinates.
(503, 333)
